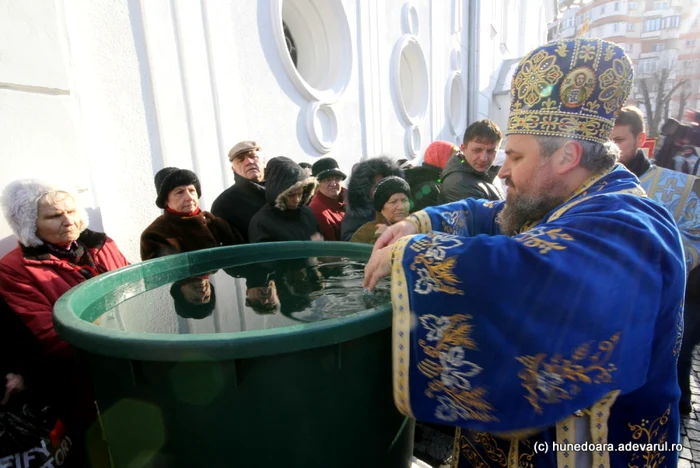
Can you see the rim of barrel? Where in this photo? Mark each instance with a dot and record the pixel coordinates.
(87, 336)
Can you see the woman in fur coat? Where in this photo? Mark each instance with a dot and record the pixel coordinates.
(391, 201)
(183, 226)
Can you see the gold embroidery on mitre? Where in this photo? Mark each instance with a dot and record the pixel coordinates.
(550, 380)
(572, 89)
(615, 84)
(577, 87)
(537, 75)
(562, 50)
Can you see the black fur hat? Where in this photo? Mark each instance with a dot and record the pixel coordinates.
(170, 177)
(362, 178)
(188, 310)
(326, 167)
(386, 188)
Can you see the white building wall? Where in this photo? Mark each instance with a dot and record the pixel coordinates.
(103, 94)
(37, 126)
(508, 29)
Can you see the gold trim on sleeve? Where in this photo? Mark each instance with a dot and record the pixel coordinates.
(401, 328)
(421, 221)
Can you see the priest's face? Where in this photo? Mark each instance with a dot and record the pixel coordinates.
(534, 188)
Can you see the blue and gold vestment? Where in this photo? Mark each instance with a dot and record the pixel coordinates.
(679, 193)
(567, 332)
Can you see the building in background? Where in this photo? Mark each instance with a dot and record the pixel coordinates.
(661, 37)
(104, 94)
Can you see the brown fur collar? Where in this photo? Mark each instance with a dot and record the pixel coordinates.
(310, 184)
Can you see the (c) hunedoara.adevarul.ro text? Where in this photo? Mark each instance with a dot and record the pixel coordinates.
(544, 447)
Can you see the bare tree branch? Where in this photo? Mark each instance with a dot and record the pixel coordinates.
(655, 97)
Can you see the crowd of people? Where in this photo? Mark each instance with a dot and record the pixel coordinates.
(271, 200)
(572, 233)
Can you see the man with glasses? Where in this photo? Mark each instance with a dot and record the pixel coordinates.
(240, 202)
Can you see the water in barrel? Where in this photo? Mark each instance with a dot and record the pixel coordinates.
(249, 297)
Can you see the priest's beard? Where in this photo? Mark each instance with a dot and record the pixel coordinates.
(528, 207)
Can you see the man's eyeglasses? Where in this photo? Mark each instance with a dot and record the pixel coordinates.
(243, 156)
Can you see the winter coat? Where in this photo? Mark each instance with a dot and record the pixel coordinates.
(359, 209)
(460, 180)
(172, 233)
(274, 222)
(425, 186)
(367, 234)
(20, 351)
(32, 279)
(329, 214)
(238, 204)
(57, 381)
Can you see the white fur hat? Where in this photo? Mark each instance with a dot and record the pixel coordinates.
(20, 201)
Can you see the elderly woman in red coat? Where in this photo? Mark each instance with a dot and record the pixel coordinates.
(56, 251)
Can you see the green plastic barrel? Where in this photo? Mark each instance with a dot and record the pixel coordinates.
(305, 395)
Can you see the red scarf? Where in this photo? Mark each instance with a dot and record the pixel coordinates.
(177, 213)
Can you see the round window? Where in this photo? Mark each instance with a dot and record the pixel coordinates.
(456, 103)
(313, 38)
(412, 76)
(291, 45)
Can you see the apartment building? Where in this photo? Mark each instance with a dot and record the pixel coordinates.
(661, 37)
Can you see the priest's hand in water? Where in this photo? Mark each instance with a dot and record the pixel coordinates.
(378, 267)
(394, 233)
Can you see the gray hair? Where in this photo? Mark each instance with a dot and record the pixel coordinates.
(20, 205)
(596, 156)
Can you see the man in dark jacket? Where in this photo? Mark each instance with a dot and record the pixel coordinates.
(680, 194)
(328, 204)
(286, 215)
(239, 203)
(470, 174)
(365, 176)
